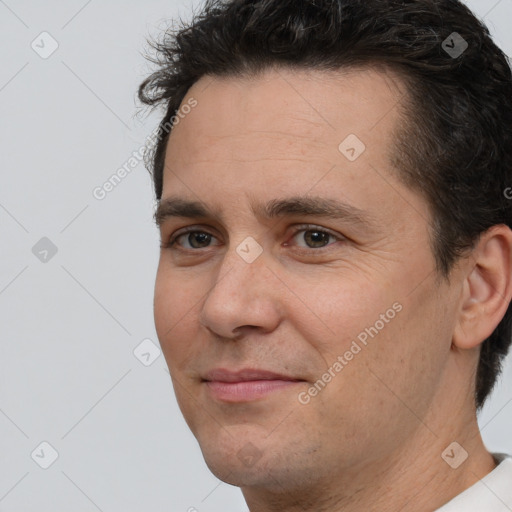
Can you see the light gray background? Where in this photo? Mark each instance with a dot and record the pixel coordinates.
(69, 326)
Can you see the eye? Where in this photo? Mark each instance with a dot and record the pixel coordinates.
(195, 239)
(305, 236)
(314, 237)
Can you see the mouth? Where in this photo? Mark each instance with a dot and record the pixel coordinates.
(247, 384)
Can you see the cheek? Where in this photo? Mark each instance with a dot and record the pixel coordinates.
(173, 314)
(376, 328)
(165, 305)
(398, 368)
(332, 310)
(174, 322)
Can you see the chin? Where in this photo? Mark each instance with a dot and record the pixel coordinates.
(237, 474)
(238, 455)
(246, 456)
(272, 472)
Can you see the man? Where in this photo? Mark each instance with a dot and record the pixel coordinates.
(333, 291)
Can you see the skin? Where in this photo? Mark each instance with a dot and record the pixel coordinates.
(372, 438)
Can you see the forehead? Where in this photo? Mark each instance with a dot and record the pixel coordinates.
(289, 133)
(288, 109)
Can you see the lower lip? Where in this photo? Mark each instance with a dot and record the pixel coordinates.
(246, 391)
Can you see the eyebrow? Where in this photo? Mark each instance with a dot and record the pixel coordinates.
(275, 208)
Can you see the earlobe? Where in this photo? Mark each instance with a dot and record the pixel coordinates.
(487, 288)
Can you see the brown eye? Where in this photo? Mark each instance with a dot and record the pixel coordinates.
(315, 238)
(190, 240)
(311, 237)
(198, 239)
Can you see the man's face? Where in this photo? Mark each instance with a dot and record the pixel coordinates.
(344, 312)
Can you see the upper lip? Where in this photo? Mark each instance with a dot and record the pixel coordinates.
(245, 374)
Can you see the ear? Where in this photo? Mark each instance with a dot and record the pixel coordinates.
(487, 288)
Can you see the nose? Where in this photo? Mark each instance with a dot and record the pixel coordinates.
(244, 296)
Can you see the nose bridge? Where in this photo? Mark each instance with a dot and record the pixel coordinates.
(241, 272)
(243, 265)
(239, 295)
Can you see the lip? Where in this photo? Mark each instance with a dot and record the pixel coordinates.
(244, 374)
(247, 384)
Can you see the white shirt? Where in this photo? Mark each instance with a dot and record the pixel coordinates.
(493, 493)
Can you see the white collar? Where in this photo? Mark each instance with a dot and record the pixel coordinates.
(493, 493)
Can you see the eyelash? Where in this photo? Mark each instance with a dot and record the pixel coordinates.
(304, 227)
